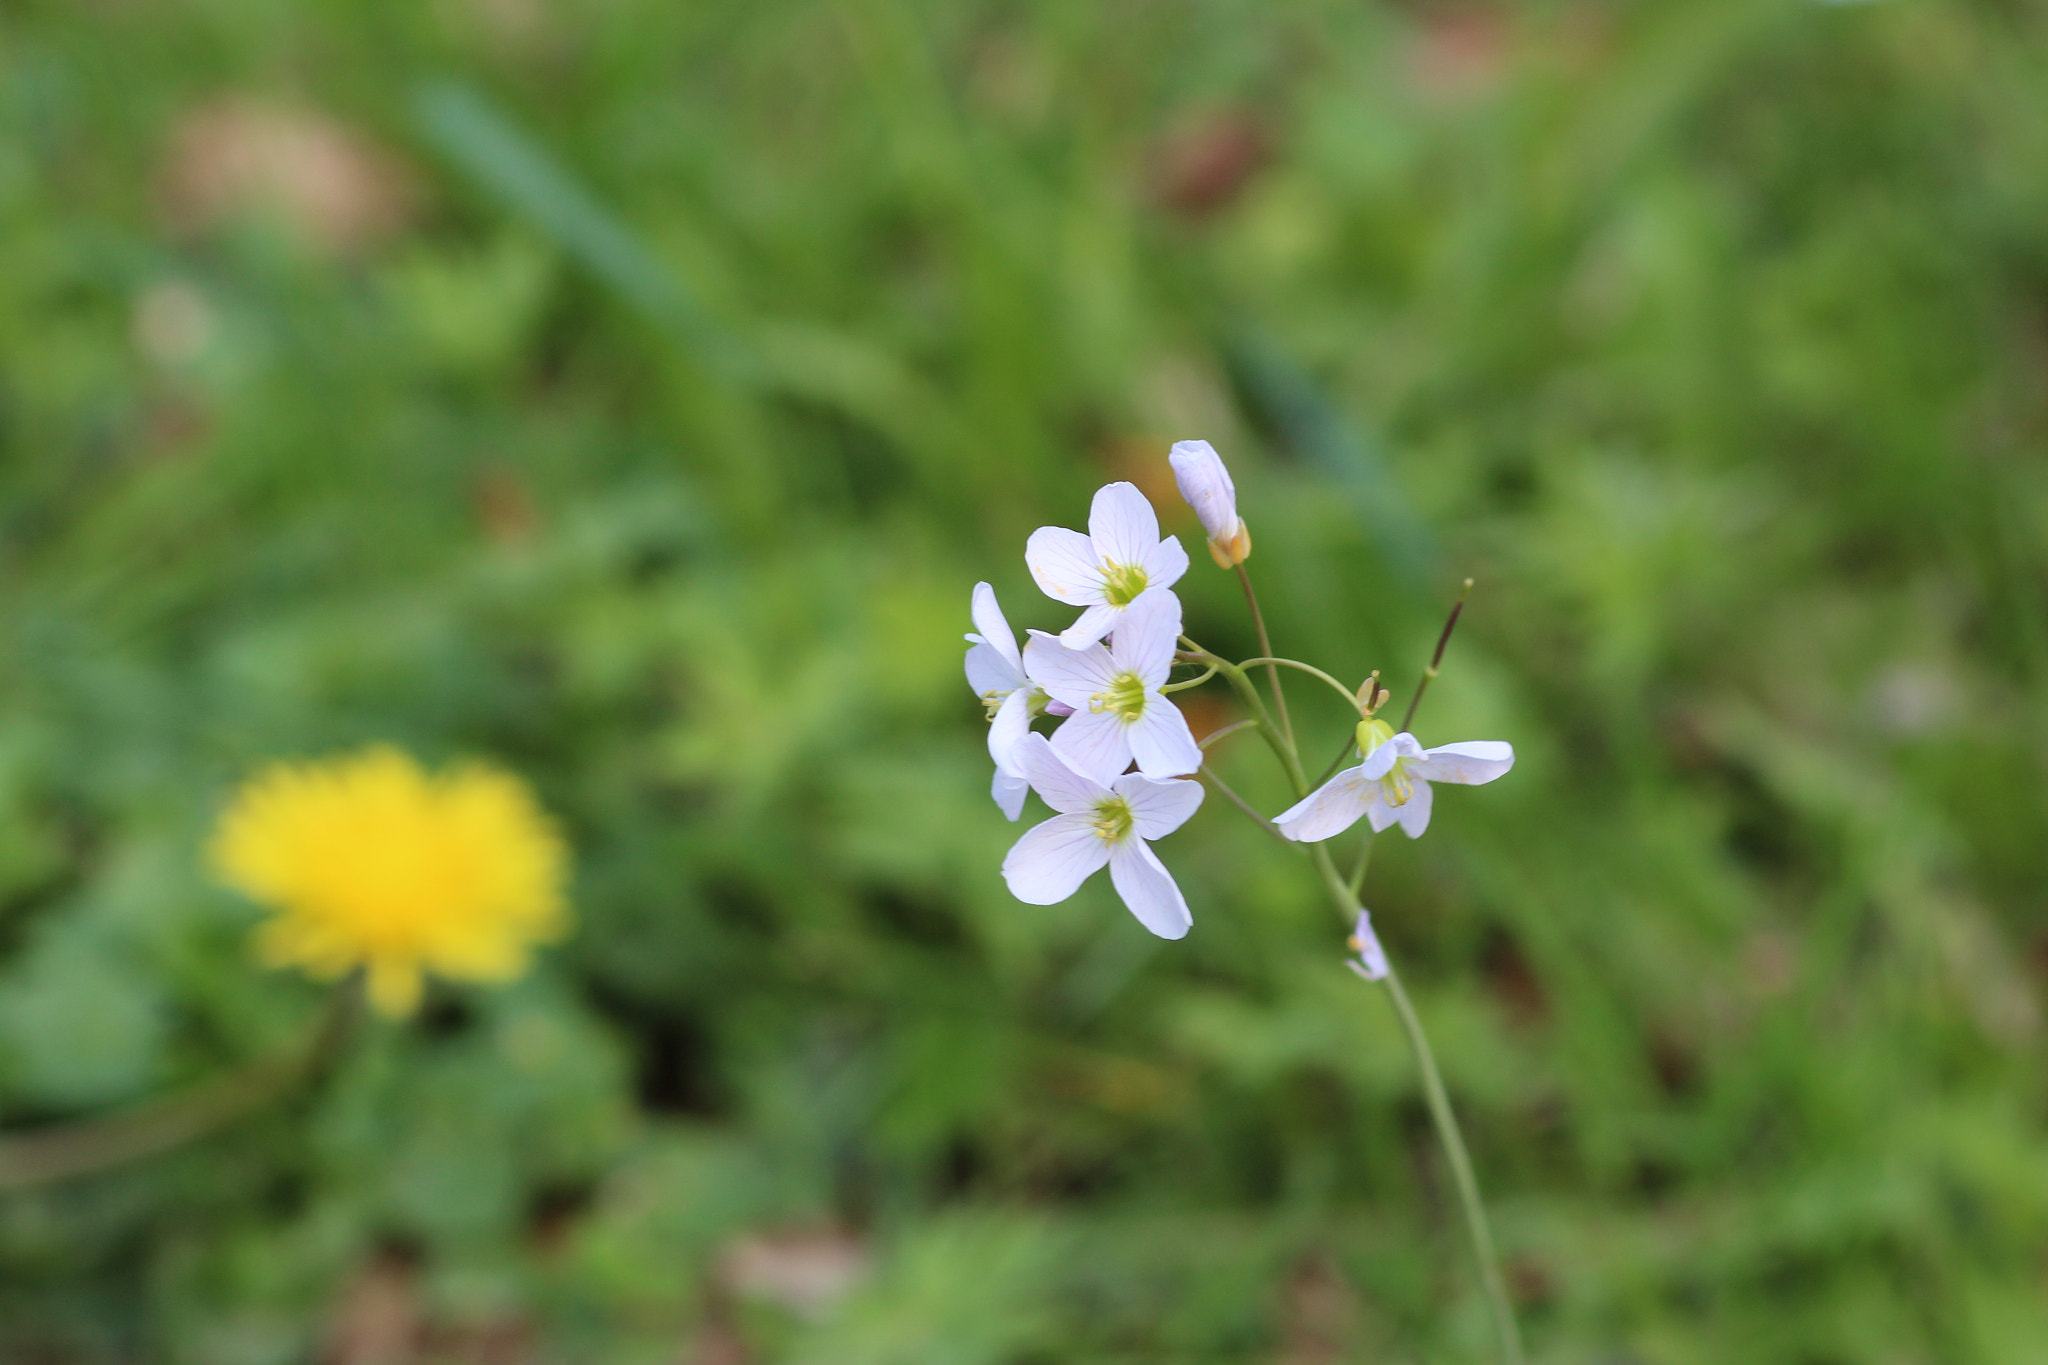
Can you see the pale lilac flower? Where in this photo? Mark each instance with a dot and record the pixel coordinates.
(1392, 784)
(1371, 962)
(1101, 824)
(1119, 711)
(1108, 569)
(1206, 485)
(995, 670)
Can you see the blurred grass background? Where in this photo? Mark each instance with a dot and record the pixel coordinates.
(632, 392)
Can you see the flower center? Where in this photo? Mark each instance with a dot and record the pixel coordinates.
(1397, 785)
(1124, 698)
(1112, 819)
(1121, 583)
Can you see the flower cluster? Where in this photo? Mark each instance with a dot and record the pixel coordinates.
(1101, 678)
(1104, 678)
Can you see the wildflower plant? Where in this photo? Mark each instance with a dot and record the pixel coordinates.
(1104, 680)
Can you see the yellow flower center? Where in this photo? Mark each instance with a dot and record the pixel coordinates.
(1112, 819)
(1121, 583)
(1124, 698)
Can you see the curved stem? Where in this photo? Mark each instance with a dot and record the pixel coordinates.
(1275, 739)
(71, 1149)
(1251, 599)
(1206, 740)
(1196, 681)
(1350, 697)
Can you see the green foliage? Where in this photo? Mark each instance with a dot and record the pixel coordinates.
(631, 393)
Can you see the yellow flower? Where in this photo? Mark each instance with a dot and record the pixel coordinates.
(369, 861)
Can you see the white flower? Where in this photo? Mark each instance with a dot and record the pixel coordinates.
(1392, 784)
(1206, 485)
(1100, 824)
(1119, 711)
(1108, 569)
(1372, 959)
(995, 671)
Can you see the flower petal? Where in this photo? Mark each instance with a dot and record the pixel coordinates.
(1064, 565)
(1011, 723)
(1149, 889)
(1009, 792)
(1092, 624)
(1378, 812)
(1413, 814)
(1158, 808)
(1122, 524)
(1146, 636)
(1206, 485)
(1471, 763)
(1051, 861)
(994, 626)
(988, 671)
(1165, 563)
(1161, 741)
(1059, 786)
(1381, 760)
(1073, 676)
(1330, 809)
(1095, 744)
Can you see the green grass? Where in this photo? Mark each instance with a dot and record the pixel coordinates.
(648, 441)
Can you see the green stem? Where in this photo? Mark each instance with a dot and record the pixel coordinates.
(1446, 1121)
(1206, 740)
(1350, 697)
(73, 1149)
(1275, 738)
(1476, 1226)
(1251, 599)
(1208, 776)
(1356, 881)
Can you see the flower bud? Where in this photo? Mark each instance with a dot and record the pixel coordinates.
(1206, 485)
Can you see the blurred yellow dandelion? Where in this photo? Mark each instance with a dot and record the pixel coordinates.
(370, 861)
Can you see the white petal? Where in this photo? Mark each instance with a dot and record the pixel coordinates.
(1012, 722)
(1372, 958)
(1064, 565)
(1073, 676)
(994, 626)
(1414, 812)
(1157, 808)
(1328, 810)
(1122, 524)
(1206, 485)
(1149, 889)
(1471, 763)
(1009, 793)
(988, 671)
(1089, 628)
(1059, 786)
(1381, 760)
(1095, 744)
(1378, 812)
(1051, 861)
(1161, 741)
(1165, 563)
(1146, 636)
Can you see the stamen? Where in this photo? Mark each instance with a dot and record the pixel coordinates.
(1121, 583)
(1124, 698)
(1112, 819)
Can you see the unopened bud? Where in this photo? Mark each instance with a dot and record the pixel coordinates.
(1372, 959)
(1206, 485)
